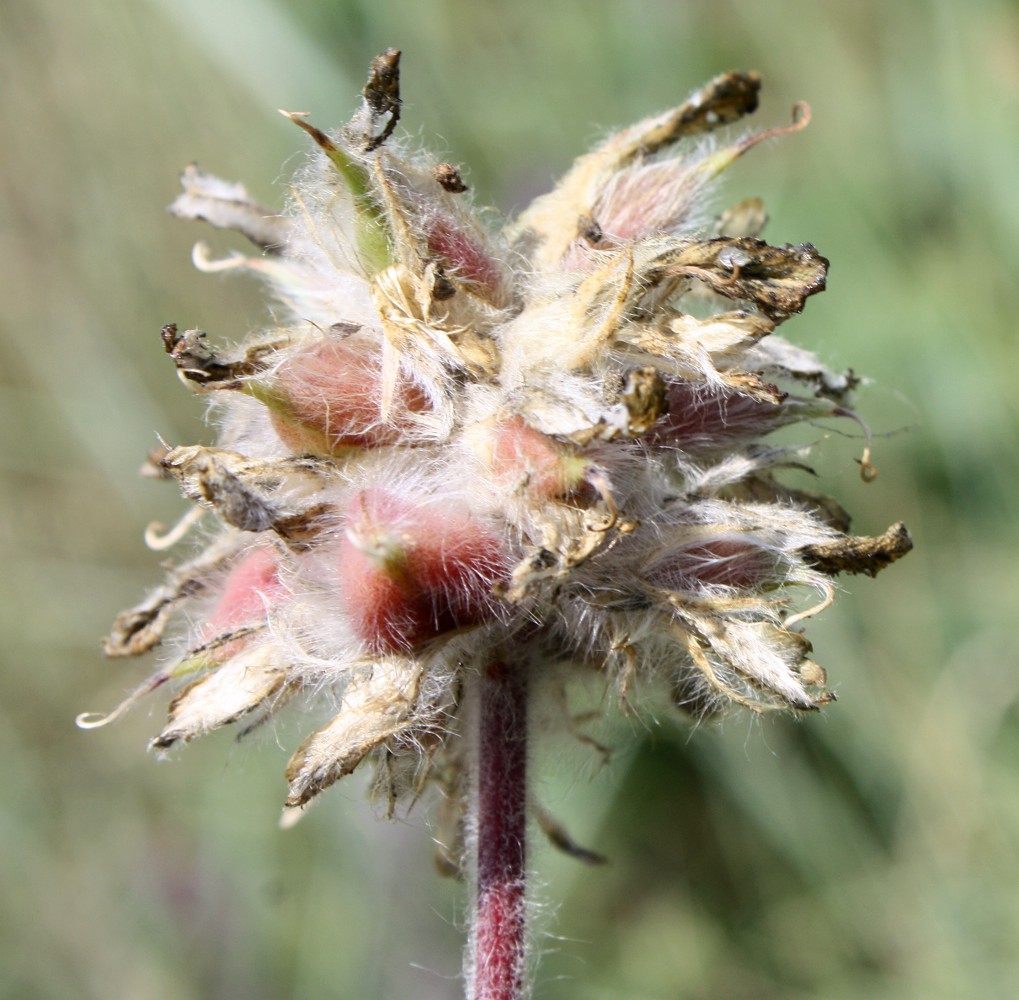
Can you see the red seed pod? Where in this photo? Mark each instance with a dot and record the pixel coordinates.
(326, 398)
(251, 586)
(523, 458)
(464, 255)
(410, 572)
(722, 562)
(706, 417)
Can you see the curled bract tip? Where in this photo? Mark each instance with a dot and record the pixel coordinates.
(96, 720)
(158, 538)
(826, 602)
(801, 116)
(201, 257)
(868, 471)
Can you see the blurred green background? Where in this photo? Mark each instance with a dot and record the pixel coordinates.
(872, 851)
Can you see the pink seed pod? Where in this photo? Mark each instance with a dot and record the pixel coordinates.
(522, 458)
(653, 198)
(721, 562)
(707, 417)
(464, 256)
(250, 589)
(326, 398)
(251, 586)
(410, 572)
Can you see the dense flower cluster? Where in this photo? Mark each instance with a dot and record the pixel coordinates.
(544, 442)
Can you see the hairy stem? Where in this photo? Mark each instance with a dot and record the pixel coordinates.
(496, 961)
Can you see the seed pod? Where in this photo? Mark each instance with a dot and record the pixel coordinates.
(521, 458)
(410, 572)
(326, 398)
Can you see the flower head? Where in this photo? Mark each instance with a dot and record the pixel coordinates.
(550, 439)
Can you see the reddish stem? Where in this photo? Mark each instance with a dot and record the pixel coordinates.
(497, 956)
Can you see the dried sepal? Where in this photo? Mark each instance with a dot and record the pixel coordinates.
(227, 205)
(377, 706)
(707, 349)
(256, 495)
(203, 369)
(244, 683)
(860, 553)
(708, 345)
(754, 664)
(140, 628)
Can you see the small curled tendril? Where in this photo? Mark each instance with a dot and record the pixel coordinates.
(96, 720)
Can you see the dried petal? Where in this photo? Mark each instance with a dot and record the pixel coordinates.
(203, 369)
(229, 206)
(138, 629)
(778, 280)
(223, 696)
(376, 707)
(860, 553)
(254, 495)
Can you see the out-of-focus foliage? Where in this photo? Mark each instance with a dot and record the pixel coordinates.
(867, 852)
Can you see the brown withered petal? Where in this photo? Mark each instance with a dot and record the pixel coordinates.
(860, 553)
(228, 205)
(778, 280)
(139, 629)
(749, 384)
(222, 696)
(376, 707)
(382, 95)
(754, 663)
(698, 349)
(203, 369)
(723, 335)
(724, 100)
(644, 398)
(249, 494)
(448, 177)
